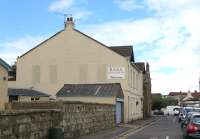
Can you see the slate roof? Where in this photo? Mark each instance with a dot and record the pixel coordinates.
(93, 90)
(194, 94)
(177, 94)
(5, 65)
(141, 66)
(25, 92)
(125, 51)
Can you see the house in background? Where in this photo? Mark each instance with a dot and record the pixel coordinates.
(26, 95)
(185, 98)
(4, 69)
(72, 57)
(109, 93)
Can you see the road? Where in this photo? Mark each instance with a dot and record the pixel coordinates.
(165, 128)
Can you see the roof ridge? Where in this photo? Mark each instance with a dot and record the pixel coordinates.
(42, 43)
(106, 46)
(5, 65)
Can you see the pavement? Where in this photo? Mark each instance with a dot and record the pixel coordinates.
(122, 131)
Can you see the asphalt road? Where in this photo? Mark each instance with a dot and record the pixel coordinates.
(165, 128)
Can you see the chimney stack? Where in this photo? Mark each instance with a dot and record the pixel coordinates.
(69, 23)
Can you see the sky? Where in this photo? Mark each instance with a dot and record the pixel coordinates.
(164, 33)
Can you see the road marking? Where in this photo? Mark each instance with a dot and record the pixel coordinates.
(167, 137)
(133, 131)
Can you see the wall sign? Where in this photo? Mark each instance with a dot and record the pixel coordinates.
(116, 73)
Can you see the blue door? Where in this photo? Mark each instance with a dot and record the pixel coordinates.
(118, 112)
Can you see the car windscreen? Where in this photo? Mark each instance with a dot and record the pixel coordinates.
(196, 110)
(188, 110)
(196, 120)
(176, 109)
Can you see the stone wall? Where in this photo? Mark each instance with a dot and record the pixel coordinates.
(74, 118)
(33, 105)
(84, 118)
(28, 124)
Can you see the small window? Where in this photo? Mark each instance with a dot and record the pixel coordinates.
(37, 98)
(36, 74)
(53, 74)
(32, 99)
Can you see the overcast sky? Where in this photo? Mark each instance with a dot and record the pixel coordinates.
(164, 33)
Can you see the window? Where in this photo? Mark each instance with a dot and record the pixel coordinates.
(36, 74)
(131, 77)
(83, 73)
(134, 80)
(35, 98)
(53, 74)
(128, 76)
(102, 72)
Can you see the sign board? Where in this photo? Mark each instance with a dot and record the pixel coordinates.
(116, 73)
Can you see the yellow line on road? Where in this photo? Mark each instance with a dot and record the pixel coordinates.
(132, 131)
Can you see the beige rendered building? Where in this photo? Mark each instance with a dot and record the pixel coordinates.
(71, 57)
(4, 68)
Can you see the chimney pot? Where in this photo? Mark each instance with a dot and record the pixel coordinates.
(69, 23)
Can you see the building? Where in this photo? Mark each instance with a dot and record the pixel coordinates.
(147, 101)
(72, 57)
(191, 99)
(110, 93)
(4, 69)
(185, 97)
(28, 95)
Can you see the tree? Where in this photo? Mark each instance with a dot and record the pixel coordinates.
(156, 102)
(168, 102)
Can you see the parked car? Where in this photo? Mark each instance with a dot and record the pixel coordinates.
(170, 110)
(185, 121)
(181, 116)
(192, 128)
(158, 112)
(176, 111)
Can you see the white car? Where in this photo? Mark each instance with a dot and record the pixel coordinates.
(170, 110)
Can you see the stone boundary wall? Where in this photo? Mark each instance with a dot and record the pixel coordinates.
(28, 124)
(33, 105)
(84, 118)
(74, 118)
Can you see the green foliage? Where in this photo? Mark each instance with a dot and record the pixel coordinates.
(159, 102)
(156, 102)
(169, 102)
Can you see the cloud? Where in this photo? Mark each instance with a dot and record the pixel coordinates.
(128, 5)
(60, 5)
(166, 7)
(131, 31)
(71, 7)
(12, 49)
(169, 42)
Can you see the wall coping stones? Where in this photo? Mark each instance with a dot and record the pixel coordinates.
(23, 112)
